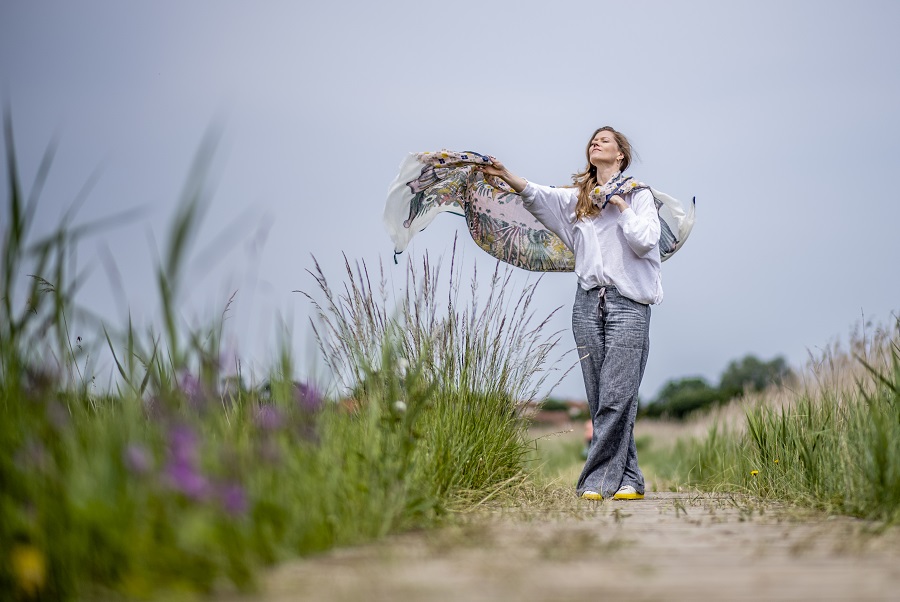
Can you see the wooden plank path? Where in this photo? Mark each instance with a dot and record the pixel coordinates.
(670, 546)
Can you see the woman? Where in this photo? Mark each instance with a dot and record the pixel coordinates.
(611, 224)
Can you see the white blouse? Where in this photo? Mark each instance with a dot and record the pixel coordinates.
(612, 248)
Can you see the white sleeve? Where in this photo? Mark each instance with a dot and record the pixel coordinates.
(551, 206)
(640, 223)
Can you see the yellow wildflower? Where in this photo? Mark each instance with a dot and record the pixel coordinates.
(753, 473)
(776, 460)
(29, 568)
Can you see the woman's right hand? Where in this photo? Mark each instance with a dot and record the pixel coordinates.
(497, 169)
(494, 168)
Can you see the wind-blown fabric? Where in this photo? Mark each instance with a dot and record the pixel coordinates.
(434, 182)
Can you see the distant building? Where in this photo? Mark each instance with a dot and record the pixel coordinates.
(555, 411)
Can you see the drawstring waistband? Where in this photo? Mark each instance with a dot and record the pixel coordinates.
(601, 302)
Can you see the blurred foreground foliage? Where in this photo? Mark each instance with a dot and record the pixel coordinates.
(183, 479)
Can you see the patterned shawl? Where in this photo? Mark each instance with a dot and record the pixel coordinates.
(431, 183)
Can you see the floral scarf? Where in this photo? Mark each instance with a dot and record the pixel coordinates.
(431, 183)
(672, 216)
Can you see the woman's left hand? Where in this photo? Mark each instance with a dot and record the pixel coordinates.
(619, 202)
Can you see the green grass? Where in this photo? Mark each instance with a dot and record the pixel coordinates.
(178, 480)
(556, 458)
(834, 445)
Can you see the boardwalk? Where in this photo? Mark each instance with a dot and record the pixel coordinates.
(671, 546)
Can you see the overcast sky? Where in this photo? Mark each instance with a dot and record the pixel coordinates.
(781, 117)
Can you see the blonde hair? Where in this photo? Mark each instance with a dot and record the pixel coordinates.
(586, 181)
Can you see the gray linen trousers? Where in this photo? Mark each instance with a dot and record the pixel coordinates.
(612, 333)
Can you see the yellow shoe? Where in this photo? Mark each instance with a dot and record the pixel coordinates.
(591, 495)
(627, 492)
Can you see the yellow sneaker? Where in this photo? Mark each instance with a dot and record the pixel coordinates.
(627, 492)
(591, 495)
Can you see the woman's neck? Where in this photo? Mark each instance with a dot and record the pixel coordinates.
(605, 172)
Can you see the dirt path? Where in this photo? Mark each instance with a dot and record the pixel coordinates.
(671, 546)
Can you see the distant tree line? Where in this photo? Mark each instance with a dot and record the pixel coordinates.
(680, 397)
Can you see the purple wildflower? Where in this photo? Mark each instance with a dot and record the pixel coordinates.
(182, 470)
(137, 459)
(308, 397)
(193, 390)
(186, 479)
(183, 444)
(268, 418)
(233, 499)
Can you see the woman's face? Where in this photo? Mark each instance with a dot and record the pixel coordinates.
(604, 150)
